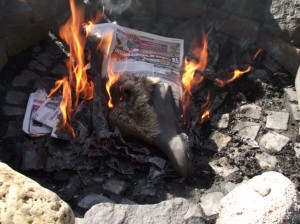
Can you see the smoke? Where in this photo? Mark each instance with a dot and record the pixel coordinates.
(117, 6)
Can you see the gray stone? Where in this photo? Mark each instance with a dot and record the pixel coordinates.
(22, 200)
(3, 55)
(295, 111)
(114, 186)
(285, 54)
(37, 66)
(222, 167)
(228, 186)
(246, 130)
(45, 59)
(210, 203)
(291, 94)
(14, 129)
(220, 140)
(92, 199)
(273, 141)
(277, 120)
(250, 111)
(297, 149)
(282, 19)
(177, 210)
(13, 111)
(16, 98)
(24, 78)
(267, 198)
(220, 121)
(266, 161)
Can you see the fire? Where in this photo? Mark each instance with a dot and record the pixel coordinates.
(205, 115)
(66, 103)
(112, 79)
(190, 78)
(236, 74)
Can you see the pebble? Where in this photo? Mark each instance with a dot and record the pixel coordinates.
(24, 78)
(228, 186)
(220, 121)
(297, 149)
(210, 203)
(295, 111)
(250, 111)
(220, 140)
(273, 141)
(247, 130)
(266, 161)
(222, 167)
(92, 199)
(114, 186)
(291, 94)
(277, 120)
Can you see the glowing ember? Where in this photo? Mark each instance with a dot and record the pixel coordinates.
(205, 116)
(190, 78)
(257, 53)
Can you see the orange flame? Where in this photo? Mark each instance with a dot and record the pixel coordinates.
(190, 78)
(71, 33)
(205, 115)
(236, 74)
(66, 103)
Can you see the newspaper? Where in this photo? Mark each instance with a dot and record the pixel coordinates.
(30, 126)
(139, 53)
(49, 111)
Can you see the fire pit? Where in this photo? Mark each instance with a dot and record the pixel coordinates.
(132, 103)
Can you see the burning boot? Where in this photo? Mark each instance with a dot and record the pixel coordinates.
(155, 123)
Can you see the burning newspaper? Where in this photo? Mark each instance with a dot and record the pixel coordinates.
(30, 126)
(140, 53)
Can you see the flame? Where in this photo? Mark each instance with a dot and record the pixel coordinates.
(257, 53)
(71, 33)
(205, 115)
(66, 103)
(112, 79)
(236, 74)
(190, 78)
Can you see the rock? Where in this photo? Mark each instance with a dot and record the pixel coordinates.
(24, 78)
(277, 120)
(210, 203)
(266, 161)
(250, 111)
(295, 111)
(13, 111)
(297, 149)
(220, 140)
(3, 55)
(246, 130)
(291, 94)
(16, 98)
(273, 141)
(222, 167)
(267, 198)
(114, 186)
(177, 210)
(22, 200)
(220, 121)
(285, 54)
(282, 19)
(45, 59)
(92, 199)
